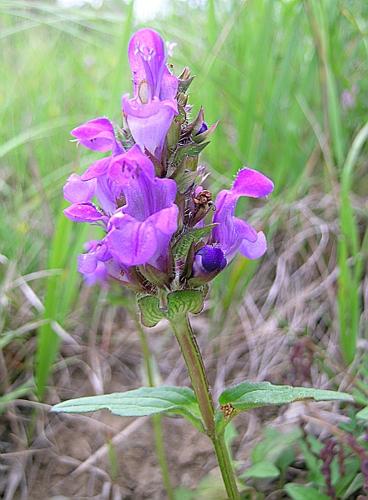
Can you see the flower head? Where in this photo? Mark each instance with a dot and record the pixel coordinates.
(161, 228)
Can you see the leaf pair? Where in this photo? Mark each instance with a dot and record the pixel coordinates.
(182, 401)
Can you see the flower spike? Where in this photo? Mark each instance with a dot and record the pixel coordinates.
(162, 228)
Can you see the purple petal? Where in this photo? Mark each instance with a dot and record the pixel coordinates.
(169, 85)
(244, 230)
(83, 212)
(99, 275)
(87, 263)
(165, 223)
(133, 243)
(203, 128)
(78, 191)
(97, 134)
(230, 230)
(146, 196)
(149, 123)
(254, 250)
(129, 165)
(98, 248)
(93, 263)
(97, 169)
(102, 252)
(225, 204)
(166, 220)
(230, 233)
(107, 194)
(209, 259)
(251, 183)
(147, 59)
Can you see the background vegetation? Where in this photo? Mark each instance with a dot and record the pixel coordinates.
(287, 79)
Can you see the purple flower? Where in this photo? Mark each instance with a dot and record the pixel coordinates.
(93, 263)
(140, 231)
(150, 113)
(78, 191)
(97, 266)
(203, 128)
(231, 233)
(209, 259)
(98, 135)
(137, 209)
(147, 59)
(105, 179)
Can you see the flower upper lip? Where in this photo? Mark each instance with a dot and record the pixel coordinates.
(150, 112)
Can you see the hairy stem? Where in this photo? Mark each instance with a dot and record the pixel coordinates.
(197, 373)
(156, 419)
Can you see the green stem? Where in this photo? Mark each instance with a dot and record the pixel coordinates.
(156, 419)
(197, 373)
(161, 455)
(226, 467)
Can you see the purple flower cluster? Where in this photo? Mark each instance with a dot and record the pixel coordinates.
(146, 194)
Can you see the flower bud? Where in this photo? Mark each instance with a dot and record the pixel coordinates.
(208, 260)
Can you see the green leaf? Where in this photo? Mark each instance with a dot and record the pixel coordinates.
(183, 302)
(249, 395)
(310, 449)
(184, 84)
(363, 414)
(301, 492)
(192, 150)
(140, 402)
(61, 290)
(355, 485)
(14, 335)
(262, 470)
(185, 178)
(154, 275)
(19, 392)
(193, 127)
(347, 481)
(181, 247)
(273, 444)
(151, 313)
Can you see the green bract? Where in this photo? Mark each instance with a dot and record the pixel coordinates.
(179, 303)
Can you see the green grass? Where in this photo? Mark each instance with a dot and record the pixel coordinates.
(269, 69)
(351, 255)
